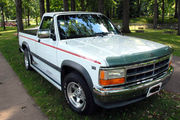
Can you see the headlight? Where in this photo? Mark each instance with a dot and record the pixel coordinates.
(170, 59)
(112, 77)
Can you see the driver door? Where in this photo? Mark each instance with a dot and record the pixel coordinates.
(46, 51)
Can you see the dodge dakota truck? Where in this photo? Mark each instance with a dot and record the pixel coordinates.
(86, 56)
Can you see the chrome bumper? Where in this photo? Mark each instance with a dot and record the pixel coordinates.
(120, 96)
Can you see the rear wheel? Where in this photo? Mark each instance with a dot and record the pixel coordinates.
(27, 60)
(77, 94)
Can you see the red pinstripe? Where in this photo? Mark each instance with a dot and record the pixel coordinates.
(63, 50)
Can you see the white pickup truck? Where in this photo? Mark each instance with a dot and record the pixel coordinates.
(84, 55)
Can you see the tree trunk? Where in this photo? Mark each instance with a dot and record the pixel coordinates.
(162, 11)
(36, 20)
(139, 8)
(179, 17)
(66, 5)
(101, 6)
(110, 12)
(73, 4)
(155, 14)
(42, 10)
(47, 5)
(28, 16)
(107, 13)
(25, 20)
(2, 19)
(113, 12)
(6, 18)
(20, 27)
(82, 3)
(176, 9)
(125, 27)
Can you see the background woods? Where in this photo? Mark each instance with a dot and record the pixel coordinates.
(154, 11)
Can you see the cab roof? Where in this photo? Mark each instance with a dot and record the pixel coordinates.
(68, 13)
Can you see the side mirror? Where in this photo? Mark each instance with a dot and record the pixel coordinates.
(119, 27)
(44, 34)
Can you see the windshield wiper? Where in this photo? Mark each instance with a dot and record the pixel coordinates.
(101, 34)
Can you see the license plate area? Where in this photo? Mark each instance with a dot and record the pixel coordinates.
(154, 89)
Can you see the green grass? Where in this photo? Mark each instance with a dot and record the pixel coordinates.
(147, 20)
(159, 36)
(51, 101)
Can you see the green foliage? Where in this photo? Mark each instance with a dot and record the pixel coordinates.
(146, 7)
(56, 5)
(112, 8)
(9, 8)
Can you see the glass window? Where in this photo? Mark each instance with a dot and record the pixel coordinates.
(84, 25)
(52, 27)
(46, 24)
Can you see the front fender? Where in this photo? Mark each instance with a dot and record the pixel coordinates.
(81, 70)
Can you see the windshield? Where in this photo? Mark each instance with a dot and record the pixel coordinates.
(84, 25)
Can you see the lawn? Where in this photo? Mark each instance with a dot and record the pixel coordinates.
(147, 20)
(51, 101)
(161, 36)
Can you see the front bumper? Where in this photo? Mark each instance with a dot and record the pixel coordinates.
(120, 96)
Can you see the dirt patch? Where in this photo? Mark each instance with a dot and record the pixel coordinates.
(15, 103)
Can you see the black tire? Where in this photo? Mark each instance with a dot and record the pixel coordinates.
(27, 60)
(75, 78)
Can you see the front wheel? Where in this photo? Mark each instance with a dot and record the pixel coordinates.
(77, 94)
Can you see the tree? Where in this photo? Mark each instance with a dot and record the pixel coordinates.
(138, 8)
(155, 14)
(2, 15)
(110, 7)
(42, 10)
(28, 16)
(101, 6)
(125, 27)
(47, 5)
(35, 10)
(176, 5)
(57, 5)
(82, 4)
(162, 11)
(73, 5)
(28, 13)
(179, 17)
(66, 5)
(9, 9)
(20, 27)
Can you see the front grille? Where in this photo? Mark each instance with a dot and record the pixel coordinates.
(149, 70)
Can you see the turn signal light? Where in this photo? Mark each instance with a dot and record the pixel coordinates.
(170, 60)
(170, 63)
(112, 81)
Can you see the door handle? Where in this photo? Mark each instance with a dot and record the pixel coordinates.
(39, 40)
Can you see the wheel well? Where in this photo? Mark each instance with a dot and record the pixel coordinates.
(24, 46)
(66, 70)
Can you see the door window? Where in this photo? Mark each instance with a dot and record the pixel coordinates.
(47, 23)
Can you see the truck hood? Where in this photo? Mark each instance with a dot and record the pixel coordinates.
(119, 50)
